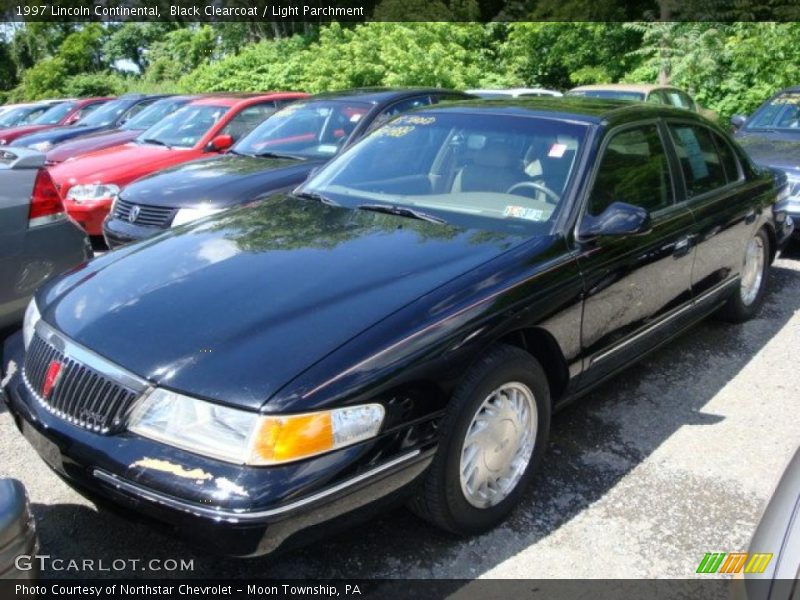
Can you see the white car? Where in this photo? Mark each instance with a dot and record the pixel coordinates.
(513, 93)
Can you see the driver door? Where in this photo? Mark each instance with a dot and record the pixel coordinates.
(636, 285)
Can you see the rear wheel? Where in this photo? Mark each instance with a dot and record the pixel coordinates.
(749, 295)
(493, 437)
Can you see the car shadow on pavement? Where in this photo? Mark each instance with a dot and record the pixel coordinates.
(594, 444)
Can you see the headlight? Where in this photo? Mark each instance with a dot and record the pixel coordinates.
(96, 191)
(243, 437)
(32, 317)
(187, 215)
(3, 142)
(41, 146)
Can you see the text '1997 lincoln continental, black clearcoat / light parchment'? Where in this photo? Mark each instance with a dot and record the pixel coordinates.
(399, 328)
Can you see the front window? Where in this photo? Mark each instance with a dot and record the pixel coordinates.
(18, 116)
(153, 114)
(609, 94)
(782, 112)
(472, 170)
(186, 127)
(305, 129)
(107, 114)
(55, 114)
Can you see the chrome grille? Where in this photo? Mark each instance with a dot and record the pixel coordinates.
(150, 216)
(81, 395)
(794, 188)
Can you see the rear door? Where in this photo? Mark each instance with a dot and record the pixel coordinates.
(721, 200)
(637, 286)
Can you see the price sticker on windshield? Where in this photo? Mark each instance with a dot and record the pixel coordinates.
(522, 212)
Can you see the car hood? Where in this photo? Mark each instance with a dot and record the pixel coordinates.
(91, 143)
(772, 149)
(12, 133)
(219, 181)
(236, 306)
(57, 135)
(118, 165)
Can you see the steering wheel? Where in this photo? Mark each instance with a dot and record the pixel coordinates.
(537, 186)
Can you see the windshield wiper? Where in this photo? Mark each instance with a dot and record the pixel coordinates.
(155, 141)
(317, 197)
(402, 211)
(276, 155)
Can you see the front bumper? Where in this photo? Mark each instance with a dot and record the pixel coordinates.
(230, 509)
(89, 215)
(118, 232)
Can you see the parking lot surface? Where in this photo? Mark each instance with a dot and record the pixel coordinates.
(672, 459)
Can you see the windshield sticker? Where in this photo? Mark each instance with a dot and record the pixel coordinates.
(697, 162)
(288, 111)
(416, 120)
(521, 212)
(557, 150)
(395, 130)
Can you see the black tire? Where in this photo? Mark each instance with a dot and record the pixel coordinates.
(440, 498)
(736, 310)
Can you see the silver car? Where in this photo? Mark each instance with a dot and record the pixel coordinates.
(37, 239)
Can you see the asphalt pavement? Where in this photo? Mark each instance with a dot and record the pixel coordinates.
(674, 458)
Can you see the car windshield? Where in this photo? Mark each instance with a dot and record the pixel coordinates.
(153, 114)
(185, 127)
(609, 94)
(782, 112)
(55, 114)
(305, 129)
(17, 116)
(493, 172)
(106, 114)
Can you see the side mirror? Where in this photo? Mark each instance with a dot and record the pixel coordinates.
(219, 143)
(738, 121)
(620, 218)
(73, 119)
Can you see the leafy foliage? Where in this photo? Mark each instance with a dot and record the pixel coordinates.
(729, 67)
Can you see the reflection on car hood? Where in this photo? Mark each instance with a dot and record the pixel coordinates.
(239, 304)
(218, 181)
(772, 149)
(56, 135)
(90, 143)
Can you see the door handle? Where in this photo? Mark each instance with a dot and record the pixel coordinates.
(682, 246)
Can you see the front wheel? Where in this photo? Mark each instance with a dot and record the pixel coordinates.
(749, 294)
(493, 436)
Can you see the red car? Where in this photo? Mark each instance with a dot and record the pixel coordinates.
(67, 112)
(90, 183)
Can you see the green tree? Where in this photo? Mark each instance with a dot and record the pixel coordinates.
(132, 41)
(561, 55)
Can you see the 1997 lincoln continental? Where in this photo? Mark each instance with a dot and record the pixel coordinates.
(401, 327)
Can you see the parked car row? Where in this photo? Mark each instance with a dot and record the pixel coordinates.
(401, 289)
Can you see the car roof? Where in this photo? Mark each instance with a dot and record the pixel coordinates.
(379, 95)
(231, 100)
(644, 88)
(794, 89)
(574, 108)
(514, 91)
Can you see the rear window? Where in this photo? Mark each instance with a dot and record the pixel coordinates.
(700, 160)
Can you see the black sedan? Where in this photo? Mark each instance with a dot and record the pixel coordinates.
(771, 136)
(110, 116)
(400, 328)
(275, 157)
